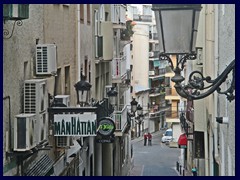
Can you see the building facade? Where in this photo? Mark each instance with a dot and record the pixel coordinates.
(216, 40)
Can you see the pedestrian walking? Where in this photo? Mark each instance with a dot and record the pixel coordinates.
(145, 136)
(194, 171)
(149, 139)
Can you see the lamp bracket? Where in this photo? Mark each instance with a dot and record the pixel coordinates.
(7, 34)
(196, 84)
(181, 62)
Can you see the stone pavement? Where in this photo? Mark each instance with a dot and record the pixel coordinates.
(138, 170)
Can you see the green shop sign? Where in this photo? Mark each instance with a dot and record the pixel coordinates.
(106, 126)
(75, 125)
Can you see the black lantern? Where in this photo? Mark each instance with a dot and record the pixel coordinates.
(139, 110)
(134, 104)
(112, 95)
(83, 89)
(139, 118)
(177, 26)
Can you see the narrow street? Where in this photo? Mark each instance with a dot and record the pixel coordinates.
(155, 160)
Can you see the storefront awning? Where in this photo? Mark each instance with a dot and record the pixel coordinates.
(41, 167)
(182, 140)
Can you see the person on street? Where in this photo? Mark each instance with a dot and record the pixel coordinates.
(194, 171)
(149, 139)
(145, 136)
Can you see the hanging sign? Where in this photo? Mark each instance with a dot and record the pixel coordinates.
(75, 125)
(105, 130)
(106, 126)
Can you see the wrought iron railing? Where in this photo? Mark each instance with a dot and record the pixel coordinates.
(120, 118)
(119, 67)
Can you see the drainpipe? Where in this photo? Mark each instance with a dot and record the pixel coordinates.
(79, 42)
(216, 100)
(9, 122)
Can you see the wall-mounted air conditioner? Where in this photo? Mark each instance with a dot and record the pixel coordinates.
(42, 127)
(62, 99)
(24, 132)
(35, 96)
(46, 62)
(36, 101)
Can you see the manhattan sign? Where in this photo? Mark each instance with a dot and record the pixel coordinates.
(75, 125)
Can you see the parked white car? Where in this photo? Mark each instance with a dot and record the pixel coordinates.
(167, 136)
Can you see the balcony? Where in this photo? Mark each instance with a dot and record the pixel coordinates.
(156, 110)
(171, 93)
(120, 72)
(118, 13)
(154, 92)
(153, 55)
(120, 119)
(172, 114)
(142, 18)
(157, 73)
(153, 37)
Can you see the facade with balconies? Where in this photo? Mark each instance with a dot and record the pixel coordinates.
(172, 97)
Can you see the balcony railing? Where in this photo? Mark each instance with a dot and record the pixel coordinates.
(118, 13)
(120, 118)
(168, 69)
(153, 54)
(157, 72)
(119, 67)
(143, 18)
(172, 114)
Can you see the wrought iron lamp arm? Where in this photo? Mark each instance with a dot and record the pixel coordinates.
(6, 32)
(196, 84)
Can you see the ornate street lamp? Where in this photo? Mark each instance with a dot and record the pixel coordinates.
(112, 95)
(82, 89)
(139, 110)
(140, 117)
(134, 104)
(177, 26)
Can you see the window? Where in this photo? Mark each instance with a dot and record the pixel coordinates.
(168, 133)
(96, 19)
(58, 88)
(67, 80)
(101, 12)
(89, 73)
(88, 14)
(86, 66)
(82, 13)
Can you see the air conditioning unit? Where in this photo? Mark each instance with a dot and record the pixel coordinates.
(46, 62)
(35, 96)
(42, 127)
(63, 141)
(62, 99)
(24, 132)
